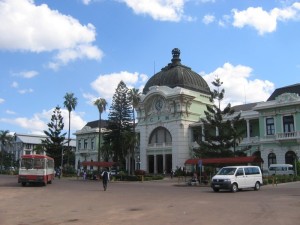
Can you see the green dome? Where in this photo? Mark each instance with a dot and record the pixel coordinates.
(177, 75)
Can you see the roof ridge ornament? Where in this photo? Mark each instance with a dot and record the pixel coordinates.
(176, 54)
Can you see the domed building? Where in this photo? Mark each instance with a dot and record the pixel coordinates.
(172, 100)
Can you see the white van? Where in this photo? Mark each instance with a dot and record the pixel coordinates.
(237, 177)
(281, 169)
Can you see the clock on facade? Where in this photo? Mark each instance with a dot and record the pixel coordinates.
(159, 104)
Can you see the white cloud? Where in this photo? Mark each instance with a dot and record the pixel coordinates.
(86, 2)
(29, 74)
(26, 74)
(112, 80)
(238, 86)
(25, 91)
(263, 21)
(15, 84)
(80, 52)
(36, 28)
(1, 100)
(38, 122)
(163, 10)
(10, 112)
(207, 19)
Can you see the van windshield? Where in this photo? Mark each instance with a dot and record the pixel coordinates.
(227, 171)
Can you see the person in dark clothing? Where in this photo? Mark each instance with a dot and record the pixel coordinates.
(105, 179)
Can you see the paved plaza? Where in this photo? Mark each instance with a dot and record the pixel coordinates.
(166, 202)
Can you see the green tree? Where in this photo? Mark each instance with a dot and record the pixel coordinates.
(39, 149)
(134, 98)
(54, 143)
(222, 130)
(129, 142)
(5, 140)
(101, 105)
(70, 103)
(119, 120)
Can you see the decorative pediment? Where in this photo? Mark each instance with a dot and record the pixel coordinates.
(287, 97)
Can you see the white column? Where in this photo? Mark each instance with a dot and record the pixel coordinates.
(248, 130)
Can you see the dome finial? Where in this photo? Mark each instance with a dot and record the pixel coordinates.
(176, 54)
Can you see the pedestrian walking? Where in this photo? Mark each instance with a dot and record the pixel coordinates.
(84, 175)
(105, 179)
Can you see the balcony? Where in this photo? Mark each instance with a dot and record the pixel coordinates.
(250, 140)
(288, 136)
(160, 145)
(87, 150)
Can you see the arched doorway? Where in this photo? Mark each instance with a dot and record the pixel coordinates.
(290, 157)
(271, 159)
(160, 151)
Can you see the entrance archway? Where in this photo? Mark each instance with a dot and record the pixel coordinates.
(160, 146)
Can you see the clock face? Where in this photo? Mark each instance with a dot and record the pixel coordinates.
(159, 104)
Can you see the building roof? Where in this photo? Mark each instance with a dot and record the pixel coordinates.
(30, 139)
(177, 75)
(295, 88)
(95, 124)
(37, 139)
(244, 107)
(226, 161)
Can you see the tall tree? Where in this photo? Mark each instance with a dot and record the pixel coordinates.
(54, 143)
(101, 105)
(222, 130)
(5, 140)
(129, 142)
(119, 120)
(70, 103)
(134, 98)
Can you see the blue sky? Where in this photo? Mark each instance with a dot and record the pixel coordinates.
(49, 48)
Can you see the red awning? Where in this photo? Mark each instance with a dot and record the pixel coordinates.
(99, 164)
(232, 160)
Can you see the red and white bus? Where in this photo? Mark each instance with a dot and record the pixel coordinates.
(36, 169)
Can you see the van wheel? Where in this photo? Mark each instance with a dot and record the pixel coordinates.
(234, 187)
(23, 184)
(257, 186)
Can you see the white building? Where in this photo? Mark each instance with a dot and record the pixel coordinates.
(24, 144)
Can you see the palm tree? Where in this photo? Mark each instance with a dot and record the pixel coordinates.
(70, 103)
(134, 97)
(5, 139)
(101, 105)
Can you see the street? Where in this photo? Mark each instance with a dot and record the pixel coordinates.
(72, 201)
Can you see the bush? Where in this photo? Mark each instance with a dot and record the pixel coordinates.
(279, 179)
(140, 172)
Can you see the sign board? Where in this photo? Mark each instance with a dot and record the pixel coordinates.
(199, 163)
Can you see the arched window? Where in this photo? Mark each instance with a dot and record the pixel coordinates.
(290, 157)
(271, 159)
(160, 135)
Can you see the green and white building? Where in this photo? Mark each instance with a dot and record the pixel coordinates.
(172, 103)
(174, 100)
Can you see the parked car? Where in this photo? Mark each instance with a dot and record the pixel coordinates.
(113, 172)
(281, 169)
(237, 177)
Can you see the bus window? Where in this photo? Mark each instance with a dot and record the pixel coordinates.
(27, 163)
(39, 163)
